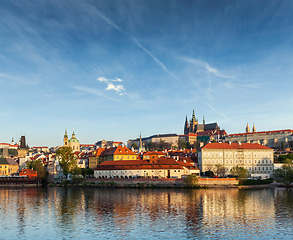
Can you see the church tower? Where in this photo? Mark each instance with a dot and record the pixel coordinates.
(186, 126)
(254, 129)
(65, 139)
(247, 129)
(193, 123)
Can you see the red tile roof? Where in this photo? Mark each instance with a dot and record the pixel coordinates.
(235, 146)
(162, 163)
(117, 150)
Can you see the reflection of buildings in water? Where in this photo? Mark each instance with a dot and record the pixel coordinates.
(284, 207)
(245, 207)
(126, 207)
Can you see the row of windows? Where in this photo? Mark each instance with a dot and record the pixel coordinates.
(117, 157)
(236, 154)
(240, 161)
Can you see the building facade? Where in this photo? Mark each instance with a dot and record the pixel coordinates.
(272, 139)
(256, 158)
(163, 168)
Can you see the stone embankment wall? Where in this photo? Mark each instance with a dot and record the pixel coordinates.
(168, 182)
(218, 181)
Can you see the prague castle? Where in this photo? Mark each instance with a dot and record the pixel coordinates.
(194, 127)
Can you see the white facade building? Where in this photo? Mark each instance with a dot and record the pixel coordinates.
(163, 168)
(256, 158)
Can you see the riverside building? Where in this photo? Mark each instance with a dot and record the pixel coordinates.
(256, 158)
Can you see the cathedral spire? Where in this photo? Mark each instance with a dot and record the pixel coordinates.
(253, 129)
(186, 126)
(193, 116)
(247, 129)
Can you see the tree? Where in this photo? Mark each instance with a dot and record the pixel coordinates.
(87, 172)
(67, 160)
(181, 144)
(191, 180)
(134, 145)
(285, 158)
(284, 174)
(219, 169)
(37, 165)
(239, 172)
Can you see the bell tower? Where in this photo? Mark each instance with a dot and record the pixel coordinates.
(65, 139)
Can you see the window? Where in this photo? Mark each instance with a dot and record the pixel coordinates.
(263, 168)
(262, 161)
(267, 168)
(178, 171)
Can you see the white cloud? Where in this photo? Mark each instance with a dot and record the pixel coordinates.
(117, 80)
(110, 86)
(118, 88)
(102, 79)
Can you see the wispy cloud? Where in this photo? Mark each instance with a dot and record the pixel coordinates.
(93, 91)
(110, 86)
(132, 38)
(209, 69)
(17, 79)
(216, 111)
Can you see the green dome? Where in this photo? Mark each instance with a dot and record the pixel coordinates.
(73, 140)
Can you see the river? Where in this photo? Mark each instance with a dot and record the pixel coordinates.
(91, 213)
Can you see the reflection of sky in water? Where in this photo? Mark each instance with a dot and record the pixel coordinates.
(58, 213)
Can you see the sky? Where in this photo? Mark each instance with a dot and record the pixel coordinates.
(112, 69)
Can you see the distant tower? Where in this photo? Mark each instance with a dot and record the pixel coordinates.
(186, 126)
(141, 148)
(65, 139)
(253, 129)
(203, 120)
(12, 141)
(22, 152)
(247, 128)
(193, 123)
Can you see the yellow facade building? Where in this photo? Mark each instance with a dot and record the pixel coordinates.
(8, 166)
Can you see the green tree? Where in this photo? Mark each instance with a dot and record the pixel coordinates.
(134, 145)
(219, 169)
(284, 174)
(87, 172)
(67, 160)
(37, 165)
(285, 158)
(181, 144)
(239, 172)
(191, 180)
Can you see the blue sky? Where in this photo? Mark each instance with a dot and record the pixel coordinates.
(110, 69)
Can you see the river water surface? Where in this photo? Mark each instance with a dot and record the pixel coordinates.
(90, 213)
